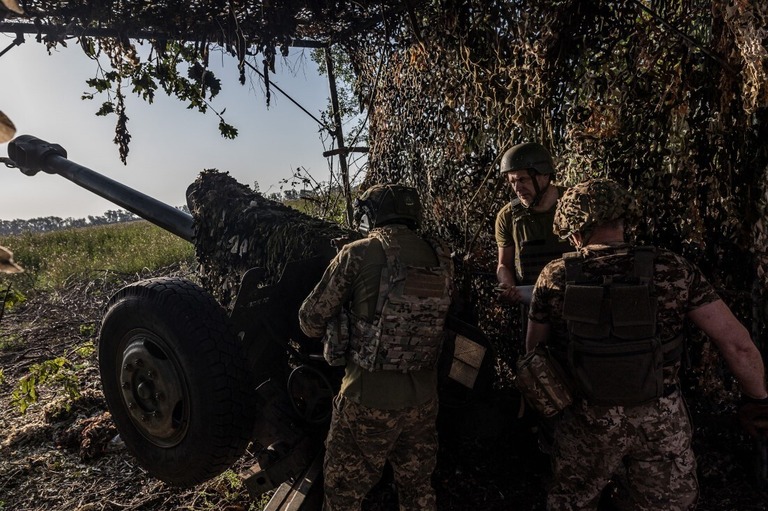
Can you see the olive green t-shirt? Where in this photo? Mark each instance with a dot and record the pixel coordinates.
(517, 225)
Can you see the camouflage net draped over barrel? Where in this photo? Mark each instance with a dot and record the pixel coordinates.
(237, 229)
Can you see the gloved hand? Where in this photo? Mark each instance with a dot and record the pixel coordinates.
(753, 415)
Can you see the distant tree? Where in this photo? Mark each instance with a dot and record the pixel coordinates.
(290, 194)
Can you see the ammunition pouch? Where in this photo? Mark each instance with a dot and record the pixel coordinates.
(543, 383)
(629, 373)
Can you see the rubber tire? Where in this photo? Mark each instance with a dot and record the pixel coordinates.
(216, 397)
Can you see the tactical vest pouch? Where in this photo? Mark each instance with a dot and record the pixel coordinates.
(408, 331)
(585, 310)
(627, 373)
(634, 315)
(543, 383)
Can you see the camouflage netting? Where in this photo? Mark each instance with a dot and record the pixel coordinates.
(237, 229)
(670, 101)
(667, 97)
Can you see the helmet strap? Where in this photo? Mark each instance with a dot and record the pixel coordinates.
(539, 191)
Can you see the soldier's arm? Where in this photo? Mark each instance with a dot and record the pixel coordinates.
(505, 274)
(734, 342)
(538, 333)
(505, 269)
(329, 295)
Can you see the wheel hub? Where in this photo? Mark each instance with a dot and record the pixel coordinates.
(153, 391)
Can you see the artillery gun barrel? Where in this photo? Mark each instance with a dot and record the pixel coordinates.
(31, 155)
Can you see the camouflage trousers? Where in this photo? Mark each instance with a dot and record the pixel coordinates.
(362, 439)
(647, 448)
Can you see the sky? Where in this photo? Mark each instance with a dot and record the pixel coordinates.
(170, 145)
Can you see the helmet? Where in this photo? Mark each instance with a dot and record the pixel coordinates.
(527, 156)
(591, 203)
(388, 203)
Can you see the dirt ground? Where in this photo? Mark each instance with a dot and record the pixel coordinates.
(57, 459)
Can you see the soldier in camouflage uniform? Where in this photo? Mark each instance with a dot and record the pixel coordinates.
(523, 226)
(646, 444)
(381, 306)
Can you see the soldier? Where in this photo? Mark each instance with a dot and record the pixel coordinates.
(524, 226)
(382, 305)
(612, 314)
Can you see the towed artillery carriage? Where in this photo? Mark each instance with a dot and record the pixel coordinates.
(193, 375)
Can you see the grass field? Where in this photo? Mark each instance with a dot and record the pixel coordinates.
(53, 257)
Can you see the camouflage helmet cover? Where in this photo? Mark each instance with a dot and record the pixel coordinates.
(591, 203)
(388, 203)
(527, 156)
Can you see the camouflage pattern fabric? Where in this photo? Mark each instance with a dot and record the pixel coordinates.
(351, 282)
(336, 340)
(649, 442)
(542, 383)
(398, 318)
(679, 288)
(378, 415)
(362, 439)
(412, 306)
(593, 202)
(648, 446)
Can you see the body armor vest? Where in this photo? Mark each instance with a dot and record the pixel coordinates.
(614, 352)
(406, 333)
(534, 254)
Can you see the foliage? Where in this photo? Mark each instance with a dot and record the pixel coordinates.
(87, 349)
(57, 372)
(320, 199)
(181, 38)
(51, 258)
(671, 101)
(11, 343)
(88, 330)
(13, 297)
(227, 488)
(350, 105)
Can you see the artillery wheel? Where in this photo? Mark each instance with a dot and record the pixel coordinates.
(311, 394)
(175, 380)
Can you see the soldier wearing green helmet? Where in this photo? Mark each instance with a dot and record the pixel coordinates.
(523, 227)
(381, 308)
(611, 315)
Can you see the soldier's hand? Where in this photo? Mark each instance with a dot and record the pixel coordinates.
(753, 415)
(508, 294)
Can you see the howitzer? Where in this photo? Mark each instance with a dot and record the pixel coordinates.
(191, 382)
